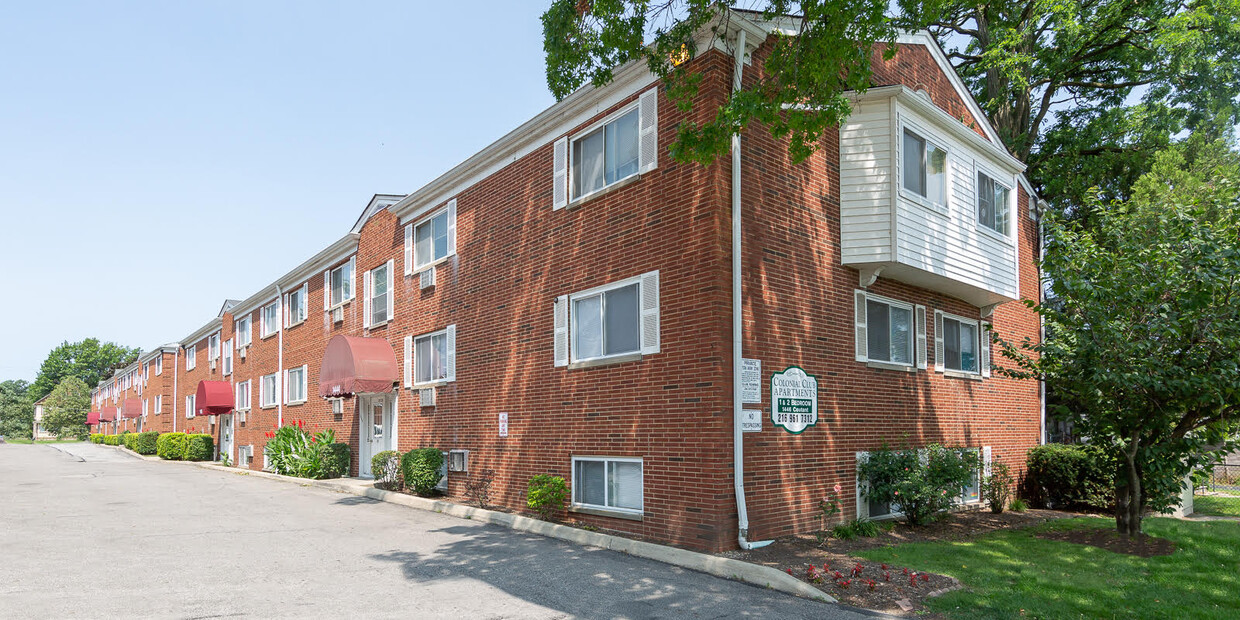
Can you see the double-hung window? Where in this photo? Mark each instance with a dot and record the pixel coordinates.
(960, 344)
(159, 364)
(295, 384)
(992, 204)
(430, 354)
(611, 321)
(341, 280)
(605, 155)
(146, 407)
(243, 396)
(924, 168)
(296, 308)
(608, 483)
(431, 239)
(159, 403)
(890, 331)
(269, 319)
(213, 347)
(189, 406)
(242, 327)
(228, 356)
(971, 492)
(269, 390)
(380, 294)
(191, 357)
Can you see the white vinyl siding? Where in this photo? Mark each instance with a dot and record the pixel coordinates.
(608, 483)
(269, 319)
(434, 357)
(610, 321)
(269, 390)
(191, 357)
(295, 385)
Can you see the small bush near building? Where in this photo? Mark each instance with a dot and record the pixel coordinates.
(199, 447)
(421, 469)
(96, 437)
(131, 441)
(146, 442)
(546, 495)
(111, 440)
(294, 451)
(1071, 476)
(336, 460)
(386, 468)
(996, 488)
(478, 487)
(923, 483)
(170, 446)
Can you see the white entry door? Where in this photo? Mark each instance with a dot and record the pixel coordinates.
(375, 418)
(226, 436)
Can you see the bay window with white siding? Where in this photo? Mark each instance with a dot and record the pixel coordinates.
(614, 322)
(608, 484)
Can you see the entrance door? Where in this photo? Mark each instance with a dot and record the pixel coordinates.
(226, 436)
(375, 418)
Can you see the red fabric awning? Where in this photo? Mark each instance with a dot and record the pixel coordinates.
(131, 408)
(214, 398)
(107, 414)
(353, 365)
(92, 418)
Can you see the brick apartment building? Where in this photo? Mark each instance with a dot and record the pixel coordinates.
(565, 301)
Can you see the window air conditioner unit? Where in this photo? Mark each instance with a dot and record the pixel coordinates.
(338, 314)
(241, 415)
(458, 460)
(245, 454)
(241, 352)
(428, 278)
(428, 396)
(337, 405)
(210, 420)
(211, 365)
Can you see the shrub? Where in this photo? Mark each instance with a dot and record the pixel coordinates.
(294, 451)
(420, 469)
(96, 437)
(546, 494)
(199, 447)
(336, 461)
(1071, 476)
(855, 528)
(923, 483)
(111, 440)
(478, 487)
(131, 441)
(386, 468)
(171, 446)
(1017, 505)
(996, 488)
(145, 443)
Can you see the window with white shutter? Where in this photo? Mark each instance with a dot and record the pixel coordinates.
(648, 104)
(885, 329)
(434, 237)
(559, 176)
(191, 357)
(269, 390)
(609, 321)
(408, 361)
(605, 154)
(340, 282)
(434, 357)
(244, 334)
(269, 319)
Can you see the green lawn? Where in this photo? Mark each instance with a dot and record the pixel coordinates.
(1216, 505)
(1011, 574)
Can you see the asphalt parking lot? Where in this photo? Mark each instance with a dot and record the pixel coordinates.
(86, 531)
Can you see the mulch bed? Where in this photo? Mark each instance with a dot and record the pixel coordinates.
(872, 585)
(1143, 545)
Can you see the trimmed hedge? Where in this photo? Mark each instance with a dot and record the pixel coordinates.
(199, 448)
(1071, 476)
(145, 444)
(96, 437)
(131, 441)
(171, 446)
(336, 461)
(420, 468)
(111, 440)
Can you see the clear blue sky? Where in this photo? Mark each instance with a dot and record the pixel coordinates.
(159, 157)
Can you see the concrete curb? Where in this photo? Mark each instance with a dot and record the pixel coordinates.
(761, 576)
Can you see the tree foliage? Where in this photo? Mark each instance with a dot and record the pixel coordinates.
(1144, 337)
(16, 409)
(88, 360)
(1084, 91)
(64, 411)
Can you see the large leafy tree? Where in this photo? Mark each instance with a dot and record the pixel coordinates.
(88, 360)
(64, 411)
(1084, 91)
(16, 409)
(1145, 353)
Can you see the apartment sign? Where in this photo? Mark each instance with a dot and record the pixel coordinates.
(794, 400)
(751, 380)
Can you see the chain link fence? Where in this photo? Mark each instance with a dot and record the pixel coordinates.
(1218, 494)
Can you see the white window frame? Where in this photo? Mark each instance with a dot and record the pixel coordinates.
(599, 290)
(863, 505)
(241, 327)
(191, 357)
(266, 329)
(606, 490)
(428, 220)
(213, 346)
(146, 406)
(227, 354)
(159, 404)
(301, 308)
(930, 139)
(268, 399)
(573, 139)
(304, 385)
(977, 480)
(371, 286)
(1007, 235)
(159, 364)
(242, 404)
(189, 405)
(977, 325)
(449, 354)
(913, 325)
(351, 282)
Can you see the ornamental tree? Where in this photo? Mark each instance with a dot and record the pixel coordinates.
(64, 411)
(88, 360)
(1143, 338)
